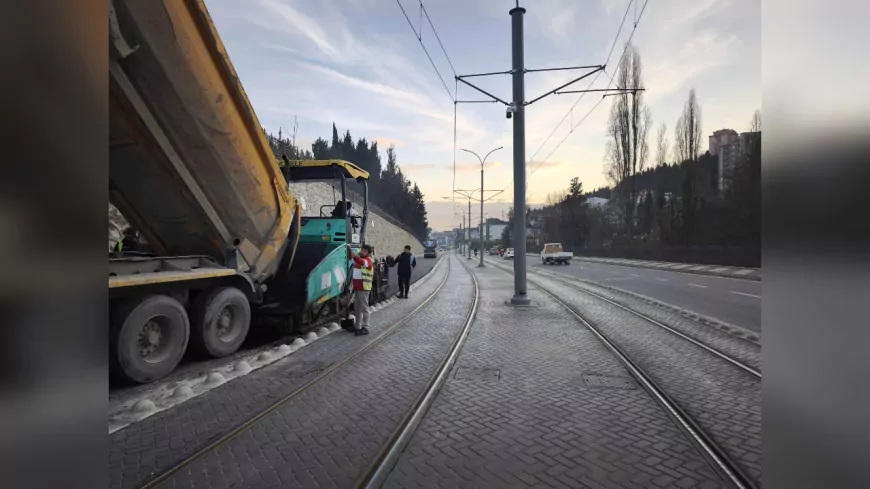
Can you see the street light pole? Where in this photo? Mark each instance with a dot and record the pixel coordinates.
(469, 229)
(480, 227)
(462, 236)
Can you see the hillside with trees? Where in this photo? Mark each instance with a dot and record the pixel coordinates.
(389, 189)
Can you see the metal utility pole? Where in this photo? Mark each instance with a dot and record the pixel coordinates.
(469, 229)
(482, 162)
(519, 91)
(469, 194)
(516, 110)
(462, 235)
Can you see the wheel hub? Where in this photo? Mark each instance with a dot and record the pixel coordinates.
(149, 338)
(224, 323)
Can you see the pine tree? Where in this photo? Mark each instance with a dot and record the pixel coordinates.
(347, 147)
(320, 149)
(335, 147)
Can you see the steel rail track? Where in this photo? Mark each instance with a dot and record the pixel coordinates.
(220, 441)
(719, 459)
(737, 363)
(389, 454)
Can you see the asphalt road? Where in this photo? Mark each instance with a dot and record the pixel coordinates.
(734, 301)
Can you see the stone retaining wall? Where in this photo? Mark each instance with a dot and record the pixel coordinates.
(387, 238)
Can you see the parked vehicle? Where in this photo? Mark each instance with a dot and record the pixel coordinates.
(191, 170)
(552, 254)
(429, 248)
(508, 254)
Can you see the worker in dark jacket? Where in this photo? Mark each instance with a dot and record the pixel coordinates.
(130, 241)
(406, 263)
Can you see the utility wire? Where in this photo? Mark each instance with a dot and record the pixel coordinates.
(420, 40)
(426, 12)
(454, 96)
(621, 59)
(609, 54)
(571, 109)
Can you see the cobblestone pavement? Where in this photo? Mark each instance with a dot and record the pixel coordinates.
(327, 435)
(139, 452)
(724, 400)
(739, 349)
(521, 409)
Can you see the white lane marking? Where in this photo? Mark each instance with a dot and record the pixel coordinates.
(661, 279)
(633, 275)
(747, 295)
(699, 286)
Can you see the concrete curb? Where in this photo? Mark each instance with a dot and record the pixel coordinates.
(712, 270)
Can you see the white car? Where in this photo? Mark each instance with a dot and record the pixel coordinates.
(552, 254)
(509, 254)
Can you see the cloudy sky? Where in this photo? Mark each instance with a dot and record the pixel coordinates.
(357, 63)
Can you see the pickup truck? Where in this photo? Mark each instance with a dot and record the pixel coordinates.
(553, 254)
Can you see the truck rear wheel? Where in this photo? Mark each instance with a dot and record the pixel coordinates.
(149, 337)
(220, 321)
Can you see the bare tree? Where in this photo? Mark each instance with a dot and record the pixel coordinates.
(662, 138)
(755, 123)
(687, 133)
(627, 146)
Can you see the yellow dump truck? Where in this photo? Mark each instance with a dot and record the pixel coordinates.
(192, 171)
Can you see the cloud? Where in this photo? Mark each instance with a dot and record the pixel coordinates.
(544, 165)
(378, 88)
(341, 61)
(409, 168)
(475, 167)
(302, 24)
(705, 52)
(387, 142)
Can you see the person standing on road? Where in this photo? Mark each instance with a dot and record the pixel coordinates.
(363, 273)
(406, 262)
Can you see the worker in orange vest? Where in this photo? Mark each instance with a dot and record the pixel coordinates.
(363, 273)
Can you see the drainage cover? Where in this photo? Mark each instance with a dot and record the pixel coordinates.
(594, 380)
(477, 374)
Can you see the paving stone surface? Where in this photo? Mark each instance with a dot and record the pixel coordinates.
(327, 435)
(147, 448)
(746, 352)
(517, 411)
(723, 399)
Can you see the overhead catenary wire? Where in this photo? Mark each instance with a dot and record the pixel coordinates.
(438, 38)
(570, 110)
(454, 96)
(420, 40)
(618, 64)
(621, 59)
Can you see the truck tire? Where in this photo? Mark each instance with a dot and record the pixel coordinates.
(220, 321)
(148, 338)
